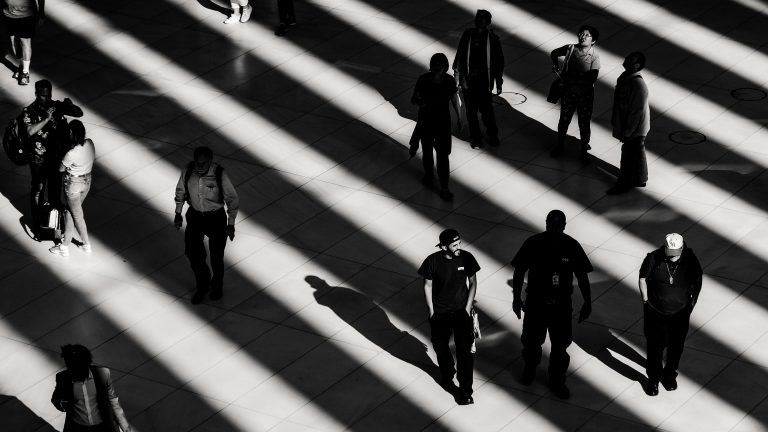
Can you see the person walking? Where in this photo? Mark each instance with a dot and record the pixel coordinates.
(76, 165)
(84, 391)
(670, 282)
(21, 18)
(551, 259)
(206, 187)
(580, 70)
(432, 94)
(450, 285)
(631, 121)
(478, 65)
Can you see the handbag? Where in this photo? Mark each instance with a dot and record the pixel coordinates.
(557, 87)
(475, 329)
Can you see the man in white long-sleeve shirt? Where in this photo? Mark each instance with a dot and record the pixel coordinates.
(206, 188)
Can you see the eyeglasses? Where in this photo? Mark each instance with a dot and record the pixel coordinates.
(584, 34)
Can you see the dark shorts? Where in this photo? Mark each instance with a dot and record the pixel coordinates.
(21, 27)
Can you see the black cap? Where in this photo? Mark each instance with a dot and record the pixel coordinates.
(447, 237)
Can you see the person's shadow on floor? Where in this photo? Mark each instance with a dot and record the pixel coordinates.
(595, 345)
(18, 417)
(371, 321)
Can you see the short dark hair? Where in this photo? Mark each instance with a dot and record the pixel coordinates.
(78, 132)
(203, 151)
(43, 84)
(76, 356)
(593, 31)
(555, 220)
(437, 62)
(639, 58)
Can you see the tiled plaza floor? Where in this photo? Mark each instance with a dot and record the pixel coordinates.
(323, 325)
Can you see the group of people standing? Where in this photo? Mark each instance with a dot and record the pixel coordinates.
(669, 282)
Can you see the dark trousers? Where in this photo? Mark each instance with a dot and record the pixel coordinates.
(39, 174)
(634, 167)
(555, 318)
(71, 426)
(214, 226)
(579, 99)
(664, 331)
(285, 11)
(458, 323)
(478, 98)
(442, 147)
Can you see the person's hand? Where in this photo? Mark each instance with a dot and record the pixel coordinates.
(586, 310)
(517, 307)
(498, 86)
(178, 220)
(231, 232)
(50, 112)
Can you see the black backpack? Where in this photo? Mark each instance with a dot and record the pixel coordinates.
(218, 172)
(15, 142)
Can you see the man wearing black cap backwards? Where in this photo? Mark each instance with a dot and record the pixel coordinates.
(450, 285)
(551, 259)
(670, 282)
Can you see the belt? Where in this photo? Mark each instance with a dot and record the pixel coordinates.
(206, 213)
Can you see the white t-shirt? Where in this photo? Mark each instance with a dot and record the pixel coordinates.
(79, 160)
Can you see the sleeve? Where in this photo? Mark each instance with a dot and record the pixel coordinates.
(230, 198)
(117, 409)
(646, 266)
(181, 193)
(417, 92)
(559, 52)
(461, 51)
(521, 259)
(596, 62)
(583, 265)
(25, 117)
(56, 397)
(425, 270)
(471, 265)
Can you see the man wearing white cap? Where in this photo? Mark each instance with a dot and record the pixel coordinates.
(670, 282)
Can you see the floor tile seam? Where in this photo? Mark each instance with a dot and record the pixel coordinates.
(32, 262)
(750, 412)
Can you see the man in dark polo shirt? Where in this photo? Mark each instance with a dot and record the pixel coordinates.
(450, 285)
(551, 259)
(670, 283)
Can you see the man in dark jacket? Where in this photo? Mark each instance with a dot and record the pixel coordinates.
(479, 63)
(670, 283)
(85, 392)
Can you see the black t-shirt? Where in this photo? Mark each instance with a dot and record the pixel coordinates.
(449, 279)
(657, 270)
(477, 51)
(435, 114)
(551, 259)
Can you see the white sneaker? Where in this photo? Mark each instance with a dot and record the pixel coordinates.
(247, 9)
(235, 17)
(60, 249)
(86, 248)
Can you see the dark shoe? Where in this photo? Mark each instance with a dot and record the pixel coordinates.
(640, 184)
(670, 384)
(413, 149)
(618, 189)
(446, 195)
(446, 382)
(427, 180)
(465, 399)
(560, 390)
(24, 78)
(16, 74)
(198, 296)
(557, 151)
(282, 28)
(585, 158)
(216, 294)
(476, 144)
(652, 389)
(529, 374)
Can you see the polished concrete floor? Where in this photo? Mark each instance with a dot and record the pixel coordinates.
(323, 323)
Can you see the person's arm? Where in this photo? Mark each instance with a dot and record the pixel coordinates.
(586, 294)
(558, 52)
(638, 99)
(56, 398)
(497, 61)
(115, 403)
(517, 289)
(456, 103)
(180, 196)
(67, 108)
(230, 198)
(472, 292)
(33, 128)
(428, 296)
(695, 291)
(643, 285)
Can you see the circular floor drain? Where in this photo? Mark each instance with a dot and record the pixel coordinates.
(687, 137)
(749, 94)
(513, 98)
